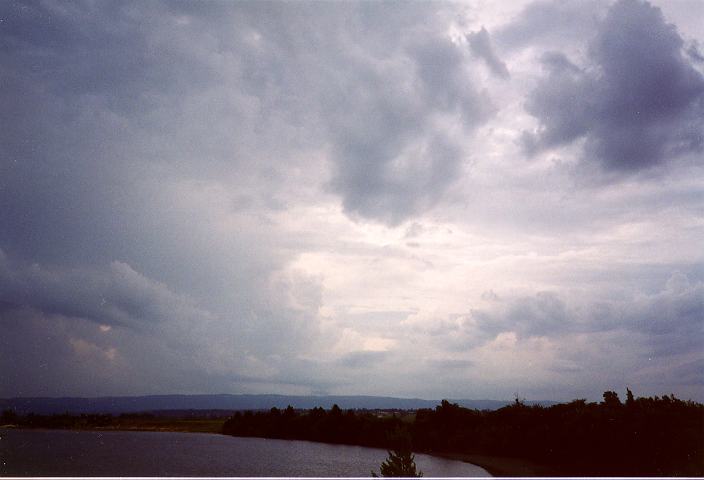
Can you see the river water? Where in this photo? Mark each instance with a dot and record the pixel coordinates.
(129, 454)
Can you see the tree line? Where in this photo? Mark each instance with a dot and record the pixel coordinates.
(647, 436)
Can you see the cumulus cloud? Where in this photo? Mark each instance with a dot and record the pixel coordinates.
(636, 104)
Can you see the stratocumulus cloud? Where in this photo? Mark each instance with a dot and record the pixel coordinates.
(351, 198)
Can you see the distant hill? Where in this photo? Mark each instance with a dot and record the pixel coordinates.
(155, 403)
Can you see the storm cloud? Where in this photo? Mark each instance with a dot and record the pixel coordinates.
(350, 198)
(637, 103)
(395, 147)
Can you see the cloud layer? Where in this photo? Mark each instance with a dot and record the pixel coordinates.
(367, 198)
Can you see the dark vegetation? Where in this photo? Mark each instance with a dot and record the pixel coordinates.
(655, 436)
(187, 421)
(399, 463)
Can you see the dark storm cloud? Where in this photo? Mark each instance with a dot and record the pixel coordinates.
(113, 114)
(391, 183)
(639, 103)
(170, 177)
(122, 124)
(76, 89)
(113, 330)
(117, 295)
(105, 49)
(76, 98)
(391, 161)
(481, 46)
(543, 314)
(53, 355)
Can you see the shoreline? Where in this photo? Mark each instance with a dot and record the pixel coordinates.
(500, 466)
(495, 466)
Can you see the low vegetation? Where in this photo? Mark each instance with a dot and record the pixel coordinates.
(136, 422)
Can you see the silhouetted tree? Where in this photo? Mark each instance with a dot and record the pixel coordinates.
(611, 399)
(399, 463)
(8, 416)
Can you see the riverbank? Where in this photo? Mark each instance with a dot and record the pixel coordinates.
(502, 466)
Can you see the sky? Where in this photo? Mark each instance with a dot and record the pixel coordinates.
(418, 199)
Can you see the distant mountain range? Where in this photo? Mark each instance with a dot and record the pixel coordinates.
(156, 403)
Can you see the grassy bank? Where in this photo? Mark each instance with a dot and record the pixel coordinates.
(167, 425)
(107, 423)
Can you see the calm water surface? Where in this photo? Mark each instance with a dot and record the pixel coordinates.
(70, 453)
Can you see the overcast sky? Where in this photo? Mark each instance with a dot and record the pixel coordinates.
(463, 200)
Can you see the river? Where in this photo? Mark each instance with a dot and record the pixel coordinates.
(130, 454)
